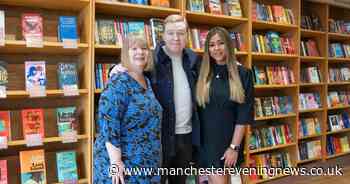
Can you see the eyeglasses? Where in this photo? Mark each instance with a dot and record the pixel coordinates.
(176, 33)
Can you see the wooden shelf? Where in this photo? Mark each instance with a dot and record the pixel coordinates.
(45, 140)
(338, 131)
(269, 179)
(263, 25)
(311, 84)
(275, 117)
(80, 181)
(72, 5)
(338, 83)
(308, 160)
(238, 53)
(49, 93)
(19, 47)
(134, 10)
(273, 57)
(98, 91)
(338, 60)
(211, 19)
(111, 50)
(274, 86)
(338, 36)
(309, 136)
(271, 148)
(311, 110)
(311, 33)
(337, 155)
(339, 107)
(312, 59)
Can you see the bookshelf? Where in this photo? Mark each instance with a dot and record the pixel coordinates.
(15, 53)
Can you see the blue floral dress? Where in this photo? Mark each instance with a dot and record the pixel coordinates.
(129, 117)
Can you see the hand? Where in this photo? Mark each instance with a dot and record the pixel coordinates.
(119, 176)
(117, 69)
(115, 157)
(230, 157)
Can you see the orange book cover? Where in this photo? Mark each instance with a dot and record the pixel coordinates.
(33, 166)
(162, 3)
(33, 121)
(5, 124)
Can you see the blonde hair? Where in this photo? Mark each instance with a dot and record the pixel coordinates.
(175, 18)
(237, 93)
(139, 40)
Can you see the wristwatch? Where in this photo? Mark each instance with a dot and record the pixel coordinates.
(235, 147)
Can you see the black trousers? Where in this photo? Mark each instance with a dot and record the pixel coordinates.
(182, 159)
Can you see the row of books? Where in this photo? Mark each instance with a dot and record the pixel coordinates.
(270, 136)
(338, 98)
(217, 7)
(35, 74)
(269, 160)
(273, 74)
(339, 50)
(113, 31)
(32, 28)
(311, 22)
(338, 74)
(33, 122)
(309, 101)
(160, 3)
(310, 150)
(339, 26)
(337, 144)
(310, 74)
(273, 105)
(309, 126)
(102, 74)
(309, 48)
(338, 121)
(33, 167)
(272, 42)
(272, 13)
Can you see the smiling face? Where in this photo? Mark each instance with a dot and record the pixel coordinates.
(175, 37)
(138, 56)
(217, 49)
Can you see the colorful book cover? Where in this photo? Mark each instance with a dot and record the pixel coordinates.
(35, 73)
(157, 29)
(106, 32)
(5, 124)
(136, 27)
(67, 75)
(3, 172)
(66, 119)
(275, 42)
(161, 3)
(67, 28)
(33, 121)
(196, 6)
(2, 27)
(66, 166)
(33, 169)
(143, 2)
(32, 26)
(215, 7)
(234, 8)
(3, 74)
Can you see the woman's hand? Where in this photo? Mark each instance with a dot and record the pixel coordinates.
(118, 176)
(115, 157)
(230, 157)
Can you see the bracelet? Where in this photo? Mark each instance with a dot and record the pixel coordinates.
(235, 147)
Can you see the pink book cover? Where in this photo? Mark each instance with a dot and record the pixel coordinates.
(3, 171)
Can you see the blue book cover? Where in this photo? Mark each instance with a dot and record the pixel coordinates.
(67, 74)
(66, 119)
(144, 2)
(66, 166)
(67, 28)
(136, 27)
(35, 73)
(275, 42)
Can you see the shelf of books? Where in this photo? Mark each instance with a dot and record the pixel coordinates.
(45, 91)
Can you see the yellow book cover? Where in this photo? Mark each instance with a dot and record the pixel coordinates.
(33, 167)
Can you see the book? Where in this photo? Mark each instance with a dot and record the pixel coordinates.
(67, 28)
(157, 29)
(136, 27)
(214, 7)
(196, 6)
(5, 122)
(33, 122)
(161, 3)
(143, 2)
(2, 28)
(106, 32)
(232, 8)
(67, 75)
(33, 169)
(32, 28)
(66, 166)
(3, 172)
(3, 74)
(67, 120)
(35, 74)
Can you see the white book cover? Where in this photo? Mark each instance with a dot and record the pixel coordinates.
(2, 28)
(35, 73)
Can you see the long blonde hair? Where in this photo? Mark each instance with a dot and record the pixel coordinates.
(237, 93)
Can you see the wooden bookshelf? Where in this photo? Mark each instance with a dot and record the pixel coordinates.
(275, 117)
(312, 33)
(274, 86)
(15, 54)
(311, 110)
(337, 155)
(271, 148)
(309, 136)
(309, 160)
(210, 19)
(263, 25)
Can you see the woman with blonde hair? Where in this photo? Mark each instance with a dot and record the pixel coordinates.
(129, 117)
(224, 93)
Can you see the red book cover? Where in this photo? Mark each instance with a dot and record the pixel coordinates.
(5, 124)
(32, 25)
(33, 121)
(3, 171)
(277, 11)
(337, 145)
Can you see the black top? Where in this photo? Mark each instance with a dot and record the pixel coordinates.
(220, 115)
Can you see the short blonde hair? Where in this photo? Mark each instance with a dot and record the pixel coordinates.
(139, 40)
(175, 18)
